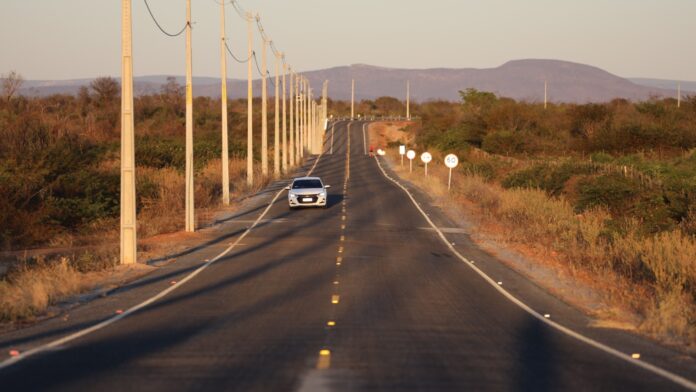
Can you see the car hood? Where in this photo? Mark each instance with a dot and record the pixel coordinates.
(306, 191)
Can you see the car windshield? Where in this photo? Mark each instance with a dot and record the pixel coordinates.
(306, 184)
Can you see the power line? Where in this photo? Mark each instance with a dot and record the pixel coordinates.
(159, 26)
(233, 56)
(274, 49)
(240, 11)
(256, 61)
(270, 79)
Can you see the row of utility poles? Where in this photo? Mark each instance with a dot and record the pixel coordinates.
(297, 131)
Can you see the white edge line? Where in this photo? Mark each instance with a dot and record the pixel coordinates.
(332, 137)
(59, 342)
(609, 350)
(364, 141)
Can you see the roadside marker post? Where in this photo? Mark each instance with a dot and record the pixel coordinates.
(426, 158)
(402, 152)
(451, 161)
(410, 155)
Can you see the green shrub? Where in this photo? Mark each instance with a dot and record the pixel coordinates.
(504, 142)
(550, 178)
(613, 191)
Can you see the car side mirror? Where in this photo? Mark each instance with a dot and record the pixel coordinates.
(327, 186)
(287, 188)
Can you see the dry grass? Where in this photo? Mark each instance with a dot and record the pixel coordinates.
(30, 291)
(35, 284)
(653, 278)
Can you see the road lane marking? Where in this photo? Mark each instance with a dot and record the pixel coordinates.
(364, 141)
(324, 360)
(335, 299)
(66, 339)
(332, 137)
(331, 323)
(677, 379)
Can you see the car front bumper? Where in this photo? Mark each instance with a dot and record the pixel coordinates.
(307, 201)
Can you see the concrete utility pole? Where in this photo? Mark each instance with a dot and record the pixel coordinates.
(264, 105)
(298, 139)
(190, 218)
(312, 129)
(308, 98)
(223, 96)
(250, 122)
(300, 128)
(308, 106)
(315, 128)
(352, 99)
(678, 95)
(293, 105)
(276, 144)
(285, 133)
(545, 94)
(128, 213)
(408, 100)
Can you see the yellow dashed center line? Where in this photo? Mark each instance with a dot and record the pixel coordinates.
(324, 361)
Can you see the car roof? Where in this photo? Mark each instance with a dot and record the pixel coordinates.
(306, 178)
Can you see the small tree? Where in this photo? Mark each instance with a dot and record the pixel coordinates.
(11, 83)
(106, 89)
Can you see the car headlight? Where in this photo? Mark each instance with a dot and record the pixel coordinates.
(323, 194)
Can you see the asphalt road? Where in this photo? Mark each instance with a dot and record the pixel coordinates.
(406, 313)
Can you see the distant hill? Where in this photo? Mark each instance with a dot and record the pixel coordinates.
(519, 79)
(688, 88)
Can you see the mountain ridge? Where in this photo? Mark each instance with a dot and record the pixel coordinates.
(521, 79)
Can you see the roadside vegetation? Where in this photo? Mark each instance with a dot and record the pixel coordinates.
(605, 192)
(60, 180)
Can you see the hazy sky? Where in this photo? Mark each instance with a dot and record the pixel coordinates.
(62, 39)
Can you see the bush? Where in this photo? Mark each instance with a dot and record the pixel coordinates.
(550, 178)
(613, 191)
(504, 142)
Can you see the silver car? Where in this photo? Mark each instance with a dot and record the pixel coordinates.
(307, 192)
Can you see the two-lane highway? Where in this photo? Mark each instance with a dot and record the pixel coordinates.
(357, 296)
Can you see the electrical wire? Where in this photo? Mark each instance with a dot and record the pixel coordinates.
(233, 56)
(256, 61)
(240, 11)
(159, 26)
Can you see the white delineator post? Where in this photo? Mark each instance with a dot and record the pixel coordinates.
(410, 155)
(451, 161)
(128, 238)
(190, 210)
(426, 158)
(223, 96)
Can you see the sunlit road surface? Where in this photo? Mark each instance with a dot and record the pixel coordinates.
(357, 296)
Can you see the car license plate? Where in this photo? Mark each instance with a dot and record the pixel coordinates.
(306, 199)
